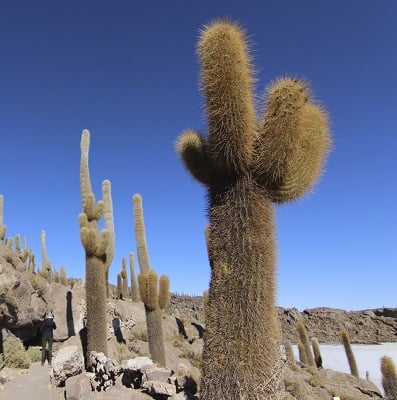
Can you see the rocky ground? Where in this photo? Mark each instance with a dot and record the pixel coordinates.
(24, 298)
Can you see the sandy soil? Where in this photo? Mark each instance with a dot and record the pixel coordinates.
(32, 384)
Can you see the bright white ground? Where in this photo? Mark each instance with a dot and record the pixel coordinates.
(367, 358)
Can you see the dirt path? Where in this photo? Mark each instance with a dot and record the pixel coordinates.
(32, 384)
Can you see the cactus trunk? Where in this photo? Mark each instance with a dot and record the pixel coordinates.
(240, 350)
(155, 335)
(96, 310)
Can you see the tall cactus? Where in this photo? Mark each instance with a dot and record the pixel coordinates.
(124, 276)
(119, 287)
(45, 262)
(97, 246)
(246, 164)
(3, 228)
(154, 292)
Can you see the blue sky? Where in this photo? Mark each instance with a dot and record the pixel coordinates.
(128, 72)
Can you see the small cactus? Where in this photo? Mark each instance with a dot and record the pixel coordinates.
(289, 352)
(305, 341)
(349, 353)
(317, 353)
(389, 377)
(124, 277)
(63, 276)
(302, 354)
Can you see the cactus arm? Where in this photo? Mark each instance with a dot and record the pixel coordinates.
(193, 150)
(108, 217)
(164, 291)
(85, 181)
(227, 83)
(134, 283)
(292, 141)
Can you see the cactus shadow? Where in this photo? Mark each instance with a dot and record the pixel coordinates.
(200, 330)
(69, 314)
(84, 342)
(181, 328)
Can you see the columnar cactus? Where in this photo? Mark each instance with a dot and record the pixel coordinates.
(389, 377)
(63, 279)
(97, 246)
(134, 282)
(289, 352)
(305, 341)
(45, 262)
(18, 249)
(119, 287)
(349, 353)
(247, 164)
(154, 292)
(125, 277)
(317, 353)
(3, 228)
(302, 353)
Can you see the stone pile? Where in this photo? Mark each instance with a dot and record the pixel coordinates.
(139, 376)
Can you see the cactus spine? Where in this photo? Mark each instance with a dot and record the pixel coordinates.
(389, 377)
(97, 246)
(246, 165)
(154, 292)
(134, 282)
(349, 353)
(3, 228)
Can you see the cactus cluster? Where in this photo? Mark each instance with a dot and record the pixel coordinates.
(247, 163)
(154, 291)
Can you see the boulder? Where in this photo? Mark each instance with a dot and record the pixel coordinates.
(77, 387)
(68, 362)
(158, 388)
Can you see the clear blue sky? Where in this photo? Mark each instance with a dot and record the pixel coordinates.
(128, 72)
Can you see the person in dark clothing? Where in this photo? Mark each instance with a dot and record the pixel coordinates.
(47, 332)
